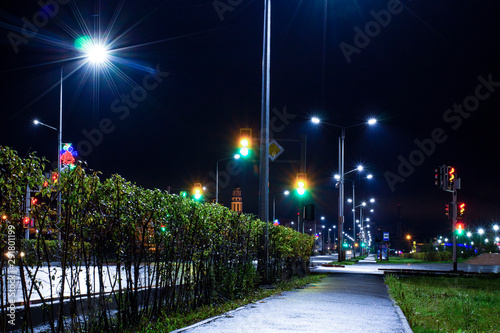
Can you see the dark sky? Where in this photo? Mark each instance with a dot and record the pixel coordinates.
(414, 62)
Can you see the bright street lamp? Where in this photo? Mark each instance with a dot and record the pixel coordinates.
(94, 51)
(274, 202)
(236, 157)
(371, 122)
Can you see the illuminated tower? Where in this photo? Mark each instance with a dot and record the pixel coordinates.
(236, 200)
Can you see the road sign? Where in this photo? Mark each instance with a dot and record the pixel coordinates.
(275, 150)
(386, 236)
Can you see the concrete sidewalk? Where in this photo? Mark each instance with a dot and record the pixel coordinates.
(338, 303)
(370, 259)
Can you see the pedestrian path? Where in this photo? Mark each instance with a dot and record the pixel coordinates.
(370, 259)
(338, 303)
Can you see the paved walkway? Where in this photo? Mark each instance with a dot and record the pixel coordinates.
(352, 298)
(339, 303)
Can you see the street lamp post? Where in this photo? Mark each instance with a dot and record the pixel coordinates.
(370, 122)
(95, 54)
(274, 203)
(236, 156)
(59, 145)
(353, 200)
(361, 221)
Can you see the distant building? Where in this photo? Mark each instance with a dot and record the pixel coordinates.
(237, 200)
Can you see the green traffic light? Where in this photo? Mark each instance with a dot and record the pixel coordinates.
(245, 152)
(301, 191)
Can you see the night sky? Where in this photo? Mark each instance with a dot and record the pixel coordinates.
(428, 70)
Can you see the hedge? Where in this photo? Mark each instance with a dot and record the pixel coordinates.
(160, 252)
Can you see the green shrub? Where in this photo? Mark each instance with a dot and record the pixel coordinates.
(192, 253)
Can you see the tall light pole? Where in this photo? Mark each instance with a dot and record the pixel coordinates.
(95, 54)
(236, 156)
(360, 168)
(265, 115)
(371, 122)
(264, 127)
(274, 203)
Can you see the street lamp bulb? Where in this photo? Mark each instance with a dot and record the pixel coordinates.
(349, 200)
(370, 176)
(337, 177)
(315, 120)
(36, 122)
(372, 121)
(363, 204)
(322, 217)
(96, 53)
(237, 156)
(286, 192)
(480, 231)
(495, 227)
(372, 200)
(360, 168)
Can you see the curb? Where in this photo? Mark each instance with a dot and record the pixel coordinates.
(400, 313)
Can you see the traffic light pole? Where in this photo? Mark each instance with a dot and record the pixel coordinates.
(454, 216)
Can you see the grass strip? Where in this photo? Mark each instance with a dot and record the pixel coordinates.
(174, 321)
(448, 304)
(401, 260)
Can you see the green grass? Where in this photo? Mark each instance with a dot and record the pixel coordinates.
(448, 304)
(170, 322)
(401, 260)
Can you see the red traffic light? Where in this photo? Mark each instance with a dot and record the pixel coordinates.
(26, 222)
